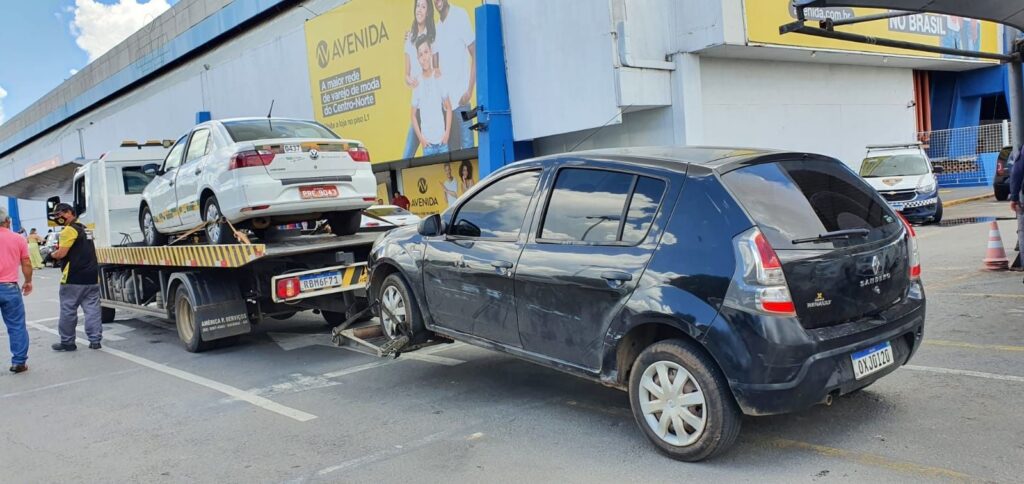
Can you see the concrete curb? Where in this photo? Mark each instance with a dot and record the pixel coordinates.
(950, 203)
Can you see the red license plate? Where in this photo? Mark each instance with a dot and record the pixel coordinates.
(318, 192)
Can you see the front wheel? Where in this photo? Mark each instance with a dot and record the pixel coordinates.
(217, 230)
(681, 401)
(938, 214)
(345, 223)
(150, 234)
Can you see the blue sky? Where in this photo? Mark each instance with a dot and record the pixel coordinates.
(38, 47)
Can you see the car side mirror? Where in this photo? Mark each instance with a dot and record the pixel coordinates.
(937, 169)
(430, 226)
(51, 204)
(152, 169)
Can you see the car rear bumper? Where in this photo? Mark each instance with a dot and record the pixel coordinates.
(282, 199)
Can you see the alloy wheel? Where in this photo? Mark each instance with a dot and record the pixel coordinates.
(672, 403)
(213, 223)
(148, 228)
(394, 302)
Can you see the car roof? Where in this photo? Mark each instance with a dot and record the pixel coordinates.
(718, 158)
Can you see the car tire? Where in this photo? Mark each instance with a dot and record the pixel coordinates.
(186, 323)
(150, 235)
(938, 213)
(711, 412)
(1001, 192)
(395, 295)
(107, 314)
(216, 233)
(345, 223)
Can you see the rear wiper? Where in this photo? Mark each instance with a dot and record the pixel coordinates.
(837, 234)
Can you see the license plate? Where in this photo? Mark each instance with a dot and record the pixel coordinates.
(314, 282)
(291, 148)
(871, 360)
(318, 192)
(898, 206)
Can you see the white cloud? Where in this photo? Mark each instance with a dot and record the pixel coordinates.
(3, 94)
(98, 27)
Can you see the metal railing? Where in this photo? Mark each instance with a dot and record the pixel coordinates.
(967, 155)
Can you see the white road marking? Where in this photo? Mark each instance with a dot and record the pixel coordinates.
(66, 383)
(429, 358)
(228, 390)
(977, 374)
(386, 453)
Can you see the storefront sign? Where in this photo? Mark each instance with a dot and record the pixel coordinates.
(393, 74)
(765, 16)
(432, 189)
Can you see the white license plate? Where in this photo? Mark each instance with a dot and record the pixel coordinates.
(325, 191)
(291, 148)
(898, 206)
(871, 360)
(314, 282)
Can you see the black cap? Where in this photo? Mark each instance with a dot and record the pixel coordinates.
(63, 207)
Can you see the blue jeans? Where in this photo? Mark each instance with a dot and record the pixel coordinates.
(435, 149)
(12, 307)
(460, 128)
(411, 143)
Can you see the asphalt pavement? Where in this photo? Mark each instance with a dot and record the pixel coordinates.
(285, 405)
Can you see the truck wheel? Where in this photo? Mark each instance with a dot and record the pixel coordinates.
(681, 401)
(151, 236)
(107, 314)
(216, 233)
(345, 223)
(185, 320)
(396, 297)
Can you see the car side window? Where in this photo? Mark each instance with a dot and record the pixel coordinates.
(197, 147)
(600, 207)
(498, 210)
(174, 156)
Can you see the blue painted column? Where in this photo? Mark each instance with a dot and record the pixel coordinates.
(497, 146)
(12, 210)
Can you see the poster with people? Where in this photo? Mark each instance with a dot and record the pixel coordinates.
(396, 74)
(433, 188)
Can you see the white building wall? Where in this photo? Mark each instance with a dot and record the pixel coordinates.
(831, 109)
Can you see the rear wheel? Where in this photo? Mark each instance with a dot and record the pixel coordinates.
(345, 223)
(681, 401)
(217, 230)
(399, 313)
(151, 236)
(185, 320)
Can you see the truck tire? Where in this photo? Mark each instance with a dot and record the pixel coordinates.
(185, 320)
(107, 314)
(345, 223)
(150, 235)
(398, 299)
(216, 233)
(693, 421)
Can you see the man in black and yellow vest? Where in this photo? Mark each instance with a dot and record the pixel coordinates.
(79, 283)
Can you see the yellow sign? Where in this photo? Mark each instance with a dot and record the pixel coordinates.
(433, 188)
(765, 16)
(382, 194)
(395, 74)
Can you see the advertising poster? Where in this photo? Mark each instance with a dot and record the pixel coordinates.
(765, 16)
(382, 194)
(432, 189)
(395, 74)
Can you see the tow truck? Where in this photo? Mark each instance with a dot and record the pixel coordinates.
(212, 293)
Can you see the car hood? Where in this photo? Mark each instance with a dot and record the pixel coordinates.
(889, 183)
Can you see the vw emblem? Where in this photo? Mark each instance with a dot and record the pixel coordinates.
(876, 266)
(314, 154)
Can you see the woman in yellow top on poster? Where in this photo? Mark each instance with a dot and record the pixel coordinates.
(34, 241)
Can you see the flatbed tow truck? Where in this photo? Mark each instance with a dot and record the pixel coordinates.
(212, 293)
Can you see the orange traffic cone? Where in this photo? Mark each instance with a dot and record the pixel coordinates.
(995, 256)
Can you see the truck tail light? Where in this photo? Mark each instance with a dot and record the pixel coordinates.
(913, 254)
(249, 158)
(764, 287)
(359, 154)
(287, 288)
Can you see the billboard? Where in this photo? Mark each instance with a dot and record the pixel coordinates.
(765, 16)
(433, 188)
(395, 74)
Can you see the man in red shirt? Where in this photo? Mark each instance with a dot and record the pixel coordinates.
(400, 200)
(14, 253)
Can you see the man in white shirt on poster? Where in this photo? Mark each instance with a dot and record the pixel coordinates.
(430, 98)
(456, 49)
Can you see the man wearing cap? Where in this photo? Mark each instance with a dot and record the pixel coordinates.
(79, 284)
(14, 254)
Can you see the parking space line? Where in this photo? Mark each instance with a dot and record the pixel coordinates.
(973, 346)
(66, 383)
(228, 390)
(429, 358)
(977, 374)
(872, 460)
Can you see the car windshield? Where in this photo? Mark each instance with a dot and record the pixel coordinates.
(894, 165)
(253, 129)
(386, 211)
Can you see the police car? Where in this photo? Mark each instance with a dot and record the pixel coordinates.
(906, 180)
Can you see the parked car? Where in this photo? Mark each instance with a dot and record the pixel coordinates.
(1001, 180)
(50, 245)
(905, 177)
(256, 173)
(707, 282)
(392, 215)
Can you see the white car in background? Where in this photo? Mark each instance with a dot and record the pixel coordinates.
(905, 178)
(257, 173)
(397, 216)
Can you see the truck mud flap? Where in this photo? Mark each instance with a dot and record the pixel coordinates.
(220, 310)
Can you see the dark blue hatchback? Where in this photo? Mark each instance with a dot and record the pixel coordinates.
(707, 282)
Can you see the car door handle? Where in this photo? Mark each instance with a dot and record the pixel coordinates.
(198, 171)
(501, 264)
(618, 276)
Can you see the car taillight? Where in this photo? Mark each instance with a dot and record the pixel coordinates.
(1000, 167)
(249, 158)
(913, 255)
(359, 154)
(288, 288)
(764, 287)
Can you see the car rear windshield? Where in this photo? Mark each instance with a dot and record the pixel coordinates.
(798, 199)
(253, 129)
(894, 165)
(386, 211)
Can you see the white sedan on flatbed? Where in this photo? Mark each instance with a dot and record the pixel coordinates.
(257, 173)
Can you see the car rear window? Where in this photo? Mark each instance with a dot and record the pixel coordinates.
(797, 199)
(253, 129)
